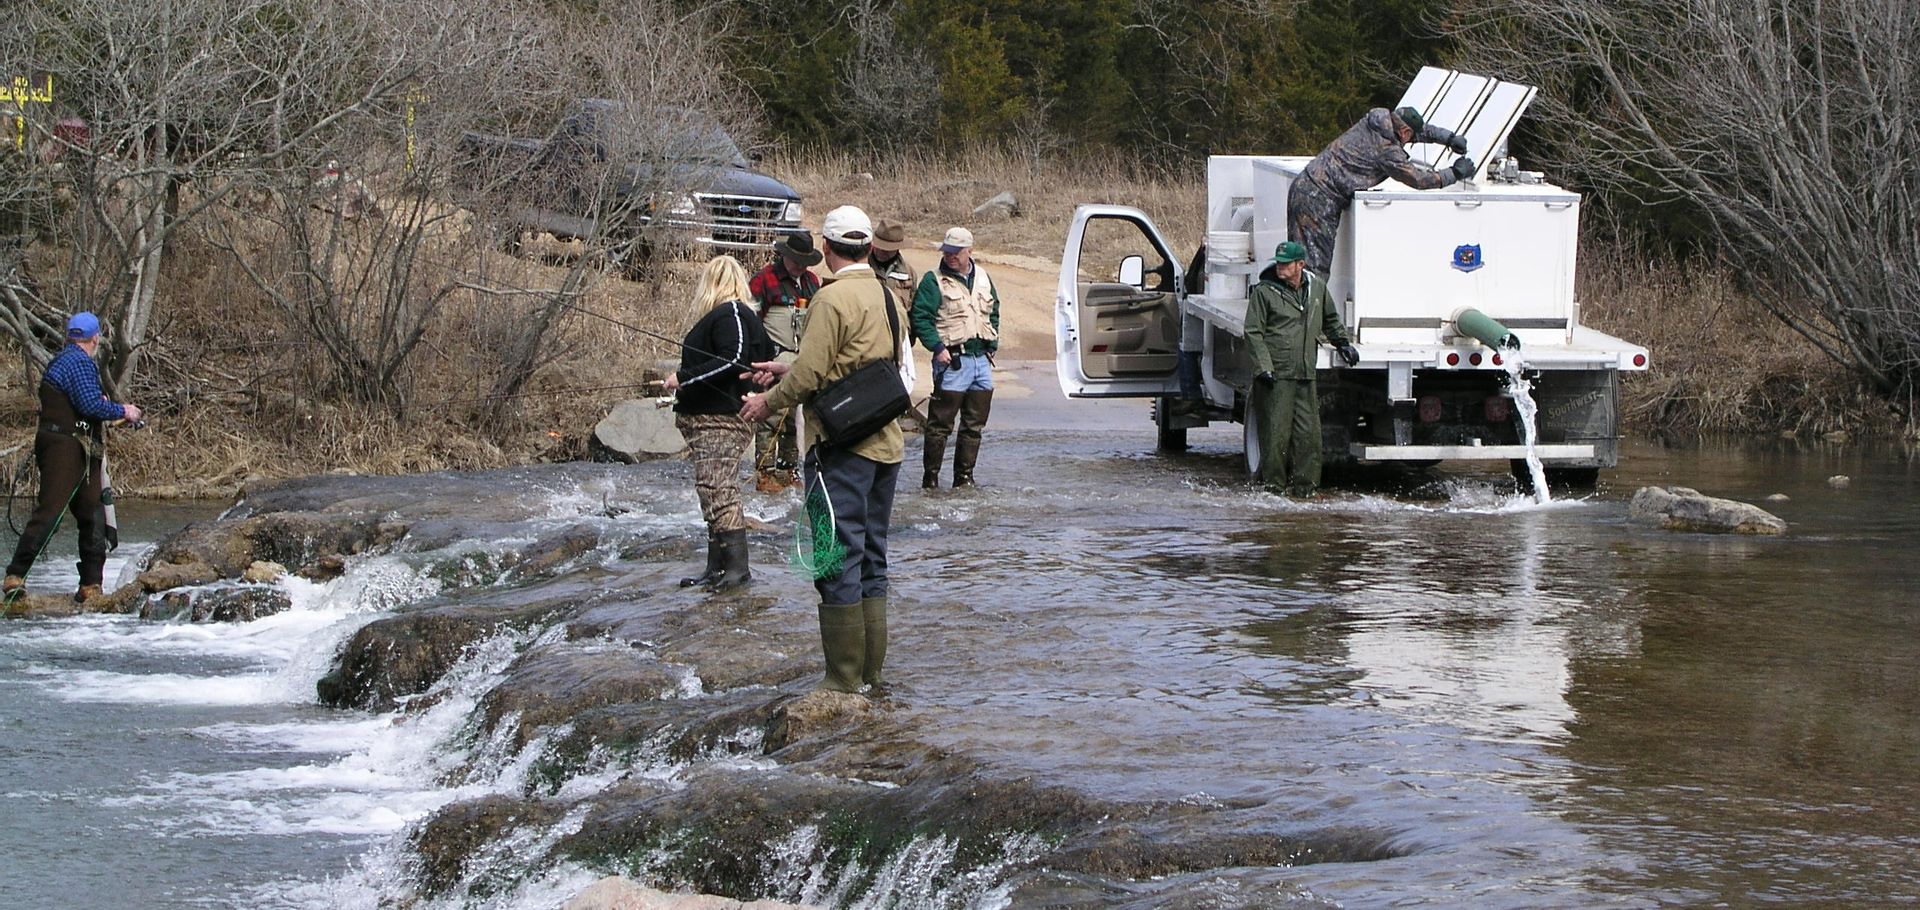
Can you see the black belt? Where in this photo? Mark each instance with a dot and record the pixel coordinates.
(79, 429)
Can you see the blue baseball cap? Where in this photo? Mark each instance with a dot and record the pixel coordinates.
(83, 326)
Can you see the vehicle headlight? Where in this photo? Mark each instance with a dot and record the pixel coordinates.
(792, 212)
(685, 206)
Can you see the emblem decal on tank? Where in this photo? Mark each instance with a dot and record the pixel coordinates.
(1466, 257)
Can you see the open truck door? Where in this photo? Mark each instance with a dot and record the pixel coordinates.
(1117, 307)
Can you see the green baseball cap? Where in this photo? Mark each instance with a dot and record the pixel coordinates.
(1411, 117)
(1288, 252)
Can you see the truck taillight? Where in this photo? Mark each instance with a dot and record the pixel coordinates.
(1453, 359)
(1496, 360)
(1499, 409)
(1474, 358)
(1639, 360)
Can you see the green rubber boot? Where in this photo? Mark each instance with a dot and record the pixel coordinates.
(843, 638)
(874, 611)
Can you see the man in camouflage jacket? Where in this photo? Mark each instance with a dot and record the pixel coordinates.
(1371, 151)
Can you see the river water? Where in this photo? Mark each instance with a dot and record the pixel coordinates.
(1532, 706)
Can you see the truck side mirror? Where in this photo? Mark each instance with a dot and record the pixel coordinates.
(1133, 270)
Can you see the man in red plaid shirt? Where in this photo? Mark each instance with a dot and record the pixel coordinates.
(780, 292)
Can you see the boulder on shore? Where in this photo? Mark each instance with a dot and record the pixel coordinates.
(1000, 208)
(615, 893)
(1686, 509)
(638, 430)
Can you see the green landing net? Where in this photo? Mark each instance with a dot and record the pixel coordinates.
(817, 550)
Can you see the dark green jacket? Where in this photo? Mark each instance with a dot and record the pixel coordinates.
(1283, 325)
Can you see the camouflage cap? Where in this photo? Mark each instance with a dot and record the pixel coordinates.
(1288, 252)
(1411, 117)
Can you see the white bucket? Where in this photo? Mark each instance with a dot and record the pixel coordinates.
(1229, 246)
(1225, 286)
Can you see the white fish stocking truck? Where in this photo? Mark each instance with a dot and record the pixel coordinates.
(1435, 287)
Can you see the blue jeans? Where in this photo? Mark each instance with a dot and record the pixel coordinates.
(966, 373)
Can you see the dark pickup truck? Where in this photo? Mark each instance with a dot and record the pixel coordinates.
(634, 180)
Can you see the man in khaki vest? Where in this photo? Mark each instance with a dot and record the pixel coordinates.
(956, 314)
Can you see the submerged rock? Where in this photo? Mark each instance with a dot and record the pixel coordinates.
(218, 603)
(1839, 481)
(1686, 509)
(400, 656)
(264, 572)
(815, 714)
(449, 840)
(550, 685)
(230, 547)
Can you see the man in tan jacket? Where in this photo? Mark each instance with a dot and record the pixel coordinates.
(848, 326)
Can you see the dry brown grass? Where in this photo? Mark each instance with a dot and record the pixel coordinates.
(931, 192)
(1720, 361)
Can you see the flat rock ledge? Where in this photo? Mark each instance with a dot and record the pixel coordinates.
(1686, 509)
(615, 893)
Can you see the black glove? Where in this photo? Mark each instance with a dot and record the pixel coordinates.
(1265, 378)
(1446, 137)
(1348, 354)
(1463, 167)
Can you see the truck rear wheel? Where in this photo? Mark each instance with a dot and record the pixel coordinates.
(1171, 440)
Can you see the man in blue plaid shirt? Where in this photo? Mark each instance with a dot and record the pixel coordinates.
(67, 449)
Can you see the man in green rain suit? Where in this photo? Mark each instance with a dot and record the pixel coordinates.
(1286, 314)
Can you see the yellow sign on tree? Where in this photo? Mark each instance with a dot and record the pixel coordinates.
(22, 92)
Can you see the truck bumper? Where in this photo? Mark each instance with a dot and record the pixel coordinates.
(1555, 453)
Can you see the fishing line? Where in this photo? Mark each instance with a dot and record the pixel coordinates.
(777, 346)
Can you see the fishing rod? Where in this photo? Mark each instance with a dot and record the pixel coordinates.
(595, 388)
(777, 346)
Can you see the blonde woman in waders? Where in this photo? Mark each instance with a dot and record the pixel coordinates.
(708, 387)
(68, 450)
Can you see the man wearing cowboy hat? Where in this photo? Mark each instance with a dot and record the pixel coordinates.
(781, 292)
(898, 278)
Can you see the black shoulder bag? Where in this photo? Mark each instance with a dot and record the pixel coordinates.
(863, 402)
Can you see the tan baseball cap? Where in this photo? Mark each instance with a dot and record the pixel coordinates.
(957, 239)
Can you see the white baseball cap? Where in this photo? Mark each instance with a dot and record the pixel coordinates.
(847, 224)
(957, 239)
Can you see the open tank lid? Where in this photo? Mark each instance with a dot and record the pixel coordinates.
(1482, 109)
